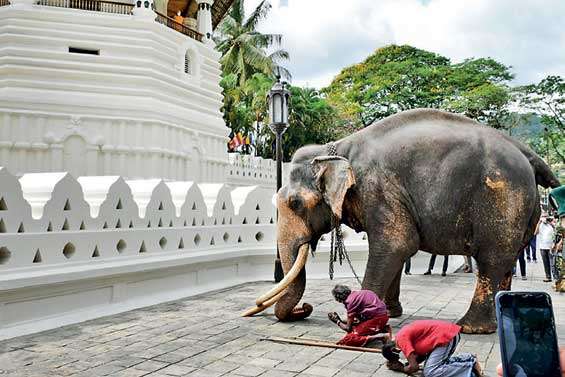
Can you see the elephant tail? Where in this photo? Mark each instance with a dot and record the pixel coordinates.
(544, 175)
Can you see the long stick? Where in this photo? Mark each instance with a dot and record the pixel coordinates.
(319, 343)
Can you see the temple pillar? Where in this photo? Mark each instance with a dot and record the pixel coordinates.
(204, 19)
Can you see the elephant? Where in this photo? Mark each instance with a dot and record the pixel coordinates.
(422, 179)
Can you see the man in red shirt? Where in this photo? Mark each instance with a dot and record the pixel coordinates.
(367, 316)
(433, 341)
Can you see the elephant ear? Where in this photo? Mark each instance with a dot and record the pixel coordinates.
(334, 177)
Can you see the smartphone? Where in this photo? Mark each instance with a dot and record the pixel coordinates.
(526, 330)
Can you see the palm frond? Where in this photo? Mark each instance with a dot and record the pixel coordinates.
(265, 40)
(237, 11)
(282, 71)
(279, 55)
(257, 16)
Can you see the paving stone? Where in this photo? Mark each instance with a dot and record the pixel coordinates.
(177, 370)
(221, 366)
(278, 373)
(317, 370)
(248, 370)
(151, 365)
(171, 357)
(264, 362)
(105, 369)
(204, 373)
(169, 340)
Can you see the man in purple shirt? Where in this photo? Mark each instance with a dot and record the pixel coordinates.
(367, 317)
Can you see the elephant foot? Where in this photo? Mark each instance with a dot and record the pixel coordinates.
(477, 325)
(299, 313)
(394, 310)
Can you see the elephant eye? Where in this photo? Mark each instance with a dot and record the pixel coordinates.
(295, 203)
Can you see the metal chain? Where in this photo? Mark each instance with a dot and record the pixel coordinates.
(337, 246)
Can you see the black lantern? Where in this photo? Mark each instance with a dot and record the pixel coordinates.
(278, 98)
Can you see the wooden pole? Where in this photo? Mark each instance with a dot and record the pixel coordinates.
(319, 343)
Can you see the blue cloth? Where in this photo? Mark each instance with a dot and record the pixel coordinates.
(441, 363)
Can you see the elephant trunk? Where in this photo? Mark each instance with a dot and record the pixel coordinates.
(292, 240)
(286, 290)
(285, 307)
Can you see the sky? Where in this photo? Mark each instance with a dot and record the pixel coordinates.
(325, 36)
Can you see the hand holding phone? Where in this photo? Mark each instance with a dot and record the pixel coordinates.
(528, 340)
(561, 358)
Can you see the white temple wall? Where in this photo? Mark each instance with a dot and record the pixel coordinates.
(131, 110)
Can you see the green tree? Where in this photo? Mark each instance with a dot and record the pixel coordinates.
(312, 121)
(244, 49)
(247, 68)
(547, 100)
(397, 78)
(477, 88)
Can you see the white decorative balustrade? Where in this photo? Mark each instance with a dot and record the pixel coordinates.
(52, 219)
(246, 169)
(73, 249)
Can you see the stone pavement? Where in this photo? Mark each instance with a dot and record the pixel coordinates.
(204, 335)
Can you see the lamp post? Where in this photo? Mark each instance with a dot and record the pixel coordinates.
(278, 98)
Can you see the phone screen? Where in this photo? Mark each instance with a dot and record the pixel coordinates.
(527, 335)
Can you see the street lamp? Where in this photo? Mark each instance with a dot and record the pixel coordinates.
(278, 98)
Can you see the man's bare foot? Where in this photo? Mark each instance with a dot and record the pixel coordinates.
(478, 369)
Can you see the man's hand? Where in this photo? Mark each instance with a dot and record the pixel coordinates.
(334, 317)
(561, 360)
(395, 365)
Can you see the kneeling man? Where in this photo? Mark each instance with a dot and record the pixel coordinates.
(367, 317)
(433, 341)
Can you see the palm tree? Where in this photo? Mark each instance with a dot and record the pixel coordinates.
(244, 49)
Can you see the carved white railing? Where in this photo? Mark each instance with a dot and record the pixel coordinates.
(53, 218)
(247, 169)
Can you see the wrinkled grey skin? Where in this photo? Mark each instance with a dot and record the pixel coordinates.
(419, 180)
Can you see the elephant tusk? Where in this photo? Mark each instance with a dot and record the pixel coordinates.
(289, 277)
(258, 309)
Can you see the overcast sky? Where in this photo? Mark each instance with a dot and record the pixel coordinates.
(324, 36)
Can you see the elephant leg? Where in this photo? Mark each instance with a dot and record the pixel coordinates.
(393, 238)
(481, 316)
(384, 271)
(392, 296)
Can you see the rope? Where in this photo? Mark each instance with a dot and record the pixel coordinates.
(337, 246)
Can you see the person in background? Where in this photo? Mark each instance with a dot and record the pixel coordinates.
(468, 264)
(531, 250)
(557, 199)
(433, 262)
(179, 21)
(522, 263)
(407, 266)
(545, 233)
(367, 317)
(559, 262)
(433, 342)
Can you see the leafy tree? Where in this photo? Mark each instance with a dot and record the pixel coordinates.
(244, 49)
(547, 100)
(247, 68)
(393, 79)
(477, 89)
(397, 78)
(312, 121)
(237, 114)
